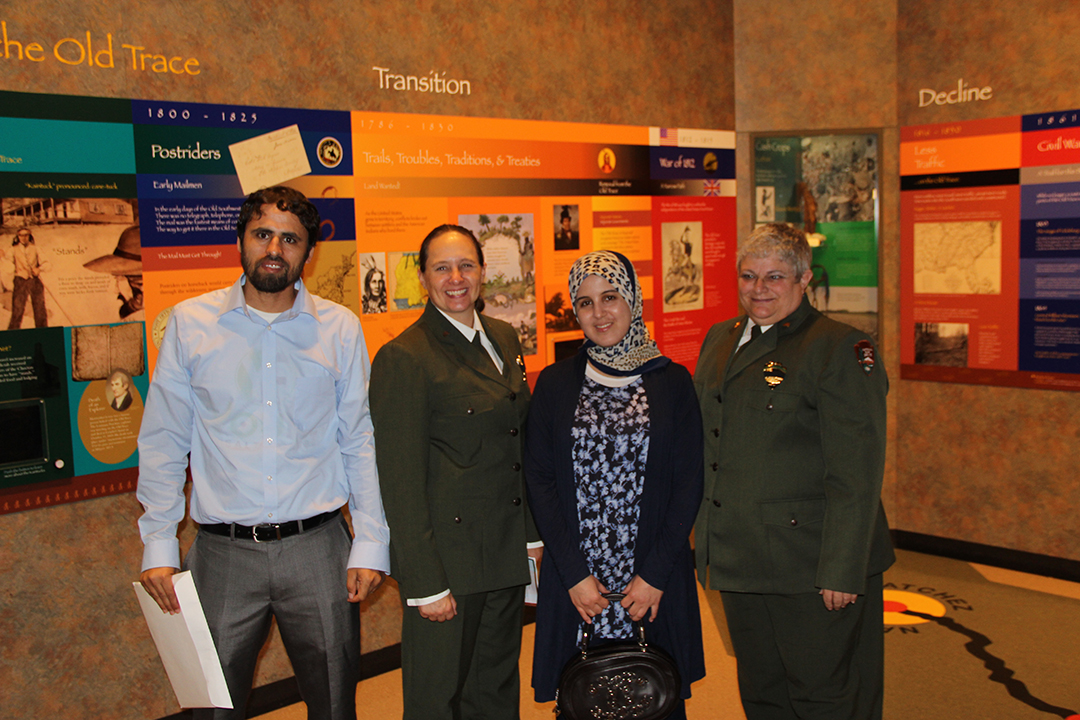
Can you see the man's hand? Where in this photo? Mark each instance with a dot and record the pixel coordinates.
(588, 598)
(441, 610)
(641, 598)
(836, 600)
(158, 582)
(362, 582)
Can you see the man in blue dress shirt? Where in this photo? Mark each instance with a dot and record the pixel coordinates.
(265, 386)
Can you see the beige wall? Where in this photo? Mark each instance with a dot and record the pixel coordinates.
(70, 634)
(582, 60)
(986, 464)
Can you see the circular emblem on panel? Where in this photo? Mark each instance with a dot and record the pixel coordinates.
(330, 152)
(606, 160)
(157, 330)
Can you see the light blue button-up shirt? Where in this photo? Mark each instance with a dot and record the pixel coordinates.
(275, 418)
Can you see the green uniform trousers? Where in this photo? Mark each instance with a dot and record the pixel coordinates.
(466, 667)
(796, 659)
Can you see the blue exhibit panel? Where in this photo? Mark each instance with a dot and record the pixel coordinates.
(338, 218)
(1050, 200)
(1050, 238)
(205, 151)
(178, 210)
(1051, 278)
(672, 163)
(258, 119)
(177, 222)
(326, 134)
(329, 153)
(1048, 120)
(184, 150)
(185, 186)
(1049, 337)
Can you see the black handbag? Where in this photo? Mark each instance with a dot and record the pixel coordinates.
(623, 679)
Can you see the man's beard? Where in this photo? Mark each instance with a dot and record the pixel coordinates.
(266, 283)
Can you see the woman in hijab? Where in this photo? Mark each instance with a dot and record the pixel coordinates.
(613, 467)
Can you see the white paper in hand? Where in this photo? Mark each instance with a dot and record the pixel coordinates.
(186, 647)
(532, 590)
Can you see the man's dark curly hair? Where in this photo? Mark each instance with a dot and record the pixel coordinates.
(284, 199)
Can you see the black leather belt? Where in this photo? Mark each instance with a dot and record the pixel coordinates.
(268, 532)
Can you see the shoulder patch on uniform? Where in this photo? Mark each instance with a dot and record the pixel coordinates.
(864, 355)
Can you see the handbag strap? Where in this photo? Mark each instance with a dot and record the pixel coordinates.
(613, 597)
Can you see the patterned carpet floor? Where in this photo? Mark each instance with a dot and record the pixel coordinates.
(961, 641)
(966, 640)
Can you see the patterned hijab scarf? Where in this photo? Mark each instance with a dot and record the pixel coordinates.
(636, 353)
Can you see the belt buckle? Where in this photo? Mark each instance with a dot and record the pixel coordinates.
(274, 526)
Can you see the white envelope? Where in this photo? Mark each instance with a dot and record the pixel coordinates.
(532, 590)
(186, 647)
(270, 159)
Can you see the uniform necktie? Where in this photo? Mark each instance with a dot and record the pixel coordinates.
(755, 333)
(480, 346)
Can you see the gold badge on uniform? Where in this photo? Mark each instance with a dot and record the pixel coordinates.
(521, 364)
(864, 355)
(774, 373)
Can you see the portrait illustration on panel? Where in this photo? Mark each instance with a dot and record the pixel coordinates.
(373, 283)
(567, 236)
(509, 243)
(682, 259)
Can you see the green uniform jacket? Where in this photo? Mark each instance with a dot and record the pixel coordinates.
(448, 444)
(793, 471)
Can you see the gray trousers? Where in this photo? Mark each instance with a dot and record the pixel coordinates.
(300, 581)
